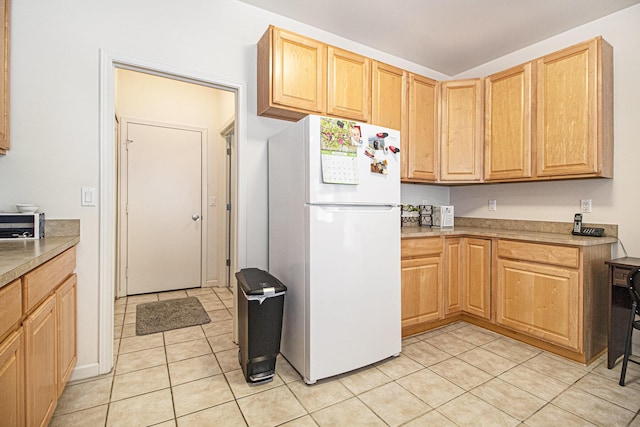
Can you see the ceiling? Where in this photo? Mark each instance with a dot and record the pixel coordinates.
(448, 36)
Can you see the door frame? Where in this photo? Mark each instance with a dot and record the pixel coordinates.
(109, 61)
(122, 161)
(228, 128)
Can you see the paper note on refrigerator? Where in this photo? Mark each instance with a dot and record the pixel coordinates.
(339, 151)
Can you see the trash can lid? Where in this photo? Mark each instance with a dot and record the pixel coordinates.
(254, 281)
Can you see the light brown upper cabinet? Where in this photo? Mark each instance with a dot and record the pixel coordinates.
(575, 111)
(4, 78)
(388, 95)
(291, 75)
(461, 139)
(421, 143)
(349, 84)
(299, 76)
(508, 124)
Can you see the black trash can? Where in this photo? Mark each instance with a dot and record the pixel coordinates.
(260, 304)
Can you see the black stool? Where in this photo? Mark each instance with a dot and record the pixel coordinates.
(632, 277)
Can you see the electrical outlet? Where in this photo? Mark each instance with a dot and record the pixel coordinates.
(585, 205)
(492, 205)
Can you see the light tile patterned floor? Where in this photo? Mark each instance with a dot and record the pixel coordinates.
(458, 375)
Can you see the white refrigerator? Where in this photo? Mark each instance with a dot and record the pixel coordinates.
(334, 241)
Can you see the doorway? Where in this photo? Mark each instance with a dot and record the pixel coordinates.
(110, 63)
(161, 204)
(169, 103)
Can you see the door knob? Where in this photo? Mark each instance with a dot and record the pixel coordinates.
(195, 217)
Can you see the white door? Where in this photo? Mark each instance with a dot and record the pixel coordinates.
(164, 208)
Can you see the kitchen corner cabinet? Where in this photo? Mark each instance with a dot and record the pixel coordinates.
(421, 144)
(467, 284)
(291, 75)
(476, 277)
(575, 111)
(422, 273)
(4, 78)
(508, 125)
(461, 133)
(38, 348)
(349, 85)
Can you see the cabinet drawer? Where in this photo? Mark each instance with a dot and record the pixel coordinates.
(620, 276)
(10, 306)
(421, 246)
(540, 253)
(38, 283)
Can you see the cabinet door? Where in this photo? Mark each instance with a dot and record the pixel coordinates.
(66, 296)
(349, 85)
(476, 290)
(421, 290)
(12, 380)
(570, 110)
(421, 148)
(540, 300)
(461, 130)
(291, 75)
(4, 77)
(452, 276)
(508, 122)
(40, 363)
(388, 103)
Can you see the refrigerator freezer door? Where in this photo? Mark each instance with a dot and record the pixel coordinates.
(372, 188)
(354, 288)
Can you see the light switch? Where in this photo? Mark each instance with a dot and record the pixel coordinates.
(88, 197)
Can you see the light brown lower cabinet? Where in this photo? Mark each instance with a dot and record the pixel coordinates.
(12, 380)
(39, 348)
(539, 292)
(66, 303)
(549, 295)
(421, 281)
(40, 361)
(476, 277)
(453, 275)
(540, 300)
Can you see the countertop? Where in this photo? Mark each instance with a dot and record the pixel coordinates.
(19, 256)
(531, 236)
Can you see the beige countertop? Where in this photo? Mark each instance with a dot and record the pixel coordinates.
(18, 256)
(528, 235)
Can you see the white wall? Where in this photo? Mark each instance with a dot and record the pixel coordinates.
(55, 102)
(615, 201)
(157, 99)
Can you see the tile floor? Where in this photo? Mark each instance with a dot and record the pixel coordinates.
(458, 375)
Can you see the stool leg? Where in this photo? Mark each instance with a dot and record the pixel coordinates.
(627, 347)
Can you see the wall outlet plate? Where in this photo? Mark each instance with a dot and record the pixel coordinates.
(492, 205)
(585, 205)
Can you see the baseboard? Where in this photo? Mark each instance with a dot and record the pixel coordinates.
(213, 283)
(85, 371)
